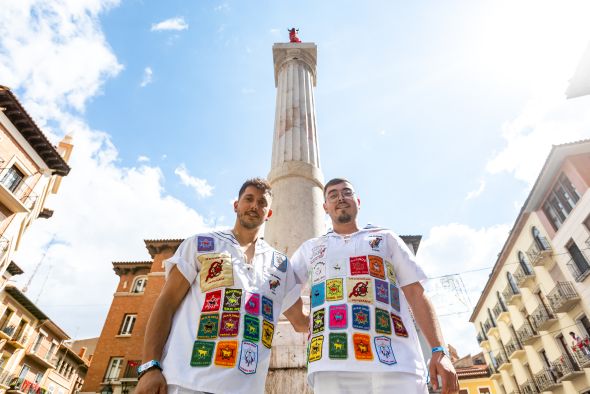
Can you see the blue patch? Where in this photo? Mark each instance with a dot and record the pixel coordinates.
(267, 310)
(381, 291)
(279, 261)
(318, 294)
(205, 244)
(361, 317)
(394, 297)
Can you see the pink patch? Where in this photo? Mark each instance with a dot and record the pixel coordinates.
(252, 305)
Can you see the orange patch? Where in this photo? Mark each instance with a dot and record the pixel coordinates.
(376, 267)
(362, 347)
(226, 354)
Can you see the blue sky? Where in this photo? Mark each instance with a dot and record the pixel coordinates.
(440, 113)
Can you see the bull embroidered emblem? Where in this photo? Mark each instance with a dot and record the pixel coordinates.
(226, 354)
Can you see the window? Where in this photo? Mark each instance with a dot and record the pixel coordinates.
(38, 342)
(524, 264)
(560, 202)
(578, 264)
(463, 391)
(128, 323)
(12, 179)
(484, 390)
(38, 377)
(50, 389)
(114, 368)
(139, 285)
(585, 323)
(50, 352)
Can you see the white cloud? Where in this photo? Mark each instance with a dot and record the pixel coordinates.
(475, 193)
(143, 159)
(147, 77)
(177, 23)
(223, 7)
(200, 186)
(274, 32)
(248, 91)
(55, 57)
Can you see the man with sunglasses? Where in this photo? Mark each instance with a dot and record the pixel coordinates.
(363, 284)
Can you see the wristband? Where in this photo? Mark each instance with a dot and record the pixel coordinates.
(440, 349)
(143, 368)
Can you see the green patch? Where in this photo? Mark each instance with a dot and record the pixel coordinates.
(382, 321)
(208, 326)
(338, 346)
(251, 328)
(202, 354)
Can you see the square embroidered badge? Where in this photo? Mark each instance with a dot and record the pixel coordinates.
(384, 350)
(318, 321)
(279, 261)
(315, 349)
(360, 290)
(230, 324)
(212, 301)
(318, 293)
(394, 296)
(216, 271)
(382, 321)
(390, 272)
(202, 353)
(248, 358)
(359, 266)
(226, 354)
(251, 328)
(334, 291)
(375, 242)
(208, 326)
(205, 244)
(318, 272)
(362, 347)
(338, 346)
(398, 326)
(232, 300)
(376, 267)
(338, 317)
(268, 330)
(361, 317)
(382, 291)
(267, 309)
(252, 303)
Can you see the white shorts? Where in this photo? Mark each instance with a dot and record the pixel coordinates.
(174, 389)
(369, 383)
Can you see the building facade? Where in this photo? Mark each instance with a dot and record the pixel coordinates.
(532, 317)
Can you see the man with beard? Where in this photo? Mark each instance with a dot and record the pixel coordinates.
(362, 336)
(212, 326)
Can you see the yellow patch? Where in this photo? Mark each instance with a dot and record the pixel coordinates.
(315, 350)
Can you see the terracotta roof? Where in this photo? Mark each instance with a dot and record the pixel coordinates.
(132, 262)
(475, 371)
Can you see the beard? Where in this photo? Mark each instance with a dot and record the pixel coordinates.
(344, 218)
(247, 222)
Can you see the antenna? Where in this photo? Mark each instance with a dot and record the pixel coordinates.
(26, 287)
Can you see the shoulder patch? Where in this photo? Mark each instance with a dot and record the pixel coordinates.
(279, 261)
(205, 244)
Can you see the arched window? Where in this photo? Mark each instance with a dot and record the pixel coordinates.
(524, 263)
(501, 301)
(512, 283)
(540, 241)
(139, 284)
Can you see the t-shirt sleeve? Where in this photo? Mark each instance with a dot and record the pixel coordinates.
(406, 266)
(299, 264)
(185, 260)
(292, 290)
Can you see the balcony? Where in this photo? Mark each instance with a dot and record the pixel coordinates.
(563, 297)
(523, 277)
(23, 386)
(528, 387)
(514, 349)
(526, 335)
(482, 339)
(514, 390)
(511, 295)
(42, 355)
(564, 369)
(19, 342)
(540, 252)
(542, 318)
(582, 357)
(503, 362)
(17, 198)
(579, 271)
(7, 331)
(501, 312)
(546, 380)
(490, 327)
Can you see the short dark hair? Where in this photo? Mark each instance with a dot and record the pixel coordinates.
(335, 181)
(259, 183)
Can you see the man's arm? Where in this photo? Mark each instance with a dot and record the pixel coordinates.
(298, 319)
(158, 329)
(440, 365)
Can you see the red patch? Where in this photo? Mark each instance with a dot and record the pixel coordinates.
(358, 265)
(212, 301)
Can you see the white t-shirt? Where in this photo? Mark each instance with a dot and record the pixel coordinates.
(360, 319)
(222, 332)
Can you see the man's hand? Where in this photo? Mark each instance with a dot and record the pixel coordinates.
(152, 382)
(440, 365)
(298, 319)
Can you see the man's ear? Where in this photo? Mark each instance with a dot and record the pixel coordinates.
(269, 214)
(358, 200)
(325, 207)
(236, 206)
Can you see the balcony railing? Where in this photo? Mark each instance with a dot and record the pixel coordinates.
(512, 346)
(563, 297)
(579, 272)
(23, 192)
(528, 387)
(4, 244)
(565, 369)
(546, 380)
(524, 277)
(42, 354)
(542, 318)
(526, 334)
(481, 338)
(582, 356)
(538, 253)
(502, 360)
(498, 309)
(511, 295)
(8, 330)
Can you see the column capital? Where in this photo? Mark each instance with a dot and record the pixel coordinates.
(305, 52)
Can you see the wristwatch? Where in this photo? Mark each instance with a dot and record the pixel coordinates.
(143, 368)
(440, 349)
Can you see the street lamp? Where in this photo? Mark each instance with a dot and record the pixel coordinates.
(108, 389)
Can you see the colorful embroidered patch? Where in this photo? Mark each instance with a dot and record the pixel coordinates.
(252, 303)
(337, 268)
(202, 354)
(267, 309)
(216, 271)
(362, 347)
(208, 326)
(232, 300)
(394, 297)
(390, 272)
(360, 290)
(274, 283)
(279, 261)
(375, 242)
(334, 291)
(338, 346)
(382, 321)
(248, 358)
(318, 252)
(315, 350)
(230, 324)
(358, 265)
(361, 317)
(226, 354)
(318, 272)
(398, 326)
(338, 317)
(205, 244)
(384, 350)
(317, 294)
(376, 267)
(318, 321)
(251, 328)
(268, 330)
(212, 301)
(382, 291)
